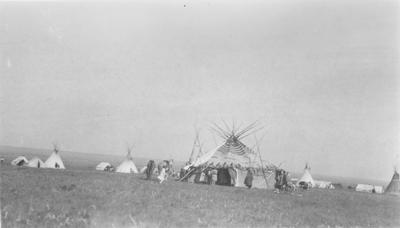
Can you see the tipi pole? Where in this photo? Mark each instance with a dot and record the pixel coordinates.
(193, 148)
(187, 174)
(262, 164)
(191, 171)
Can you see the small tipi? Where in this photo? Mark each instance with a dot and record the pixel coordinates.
(127, 166)
(306, 178)
(54, 161)
(394, 185)
(36, 163)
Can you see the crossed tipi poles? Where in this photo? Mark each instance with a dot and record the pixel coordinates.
(129, 148)
(197, 147)
(235, 132)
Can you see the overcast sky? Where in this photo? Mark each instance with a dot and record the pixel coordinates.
(323, 77)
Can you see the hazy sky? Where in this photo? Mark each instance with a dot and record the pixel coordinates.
(322, 76)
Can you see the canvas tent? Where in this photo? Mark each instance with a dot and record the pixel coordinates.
(364, 188)
(232, 160)
(36, 163)
(306, 177)
(394, 185)
(55, 161)
(369, 188)
(323, 184)
(19, 161)
(378, 189)
(127, 166)
(104, 166)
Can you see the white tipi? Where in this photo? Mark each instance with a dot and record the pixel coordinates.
(54, 161)
(127, 166)
(306, 178)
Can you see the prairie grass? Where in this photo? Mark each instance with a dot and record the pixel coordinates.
(82, 198)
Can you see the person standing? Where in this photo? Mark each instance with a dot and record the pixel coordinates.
(248, 181)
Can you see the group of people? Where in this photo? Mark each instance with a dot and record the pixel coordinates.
(164, 170)
(208, 175)
(281, 180)
(220, 176)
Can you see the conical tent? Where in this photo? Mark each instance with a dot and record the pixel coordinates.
(54, 161)
(232, 153)
(127, 166)
(394, 185)
(36, 163)
(232, 160)
(306, 178)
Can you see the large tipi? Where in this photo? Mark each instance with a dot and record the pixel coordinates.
(306, 178)
(127, 166)
(54, 161)
(394, 185)
(231, 153)
(232, 159)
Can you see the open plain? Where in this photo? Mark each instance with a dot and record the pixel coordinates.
(81, 197)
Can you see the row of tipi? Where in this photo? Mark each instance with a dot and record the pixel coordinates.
(54, 161)
(392, 188)
(126, 166)
(236, 154)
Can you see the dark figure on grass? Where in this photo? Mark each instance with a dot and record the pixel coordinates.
(248, 181)
(280, 180)
(151, 165)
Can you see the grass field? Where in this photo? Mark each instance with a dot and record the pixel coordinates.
(86, 198)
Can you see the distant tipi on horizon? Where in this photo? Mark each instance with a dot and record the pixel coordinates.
(306, 177)
(54, 161)
(127, 166)
(394, 185)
